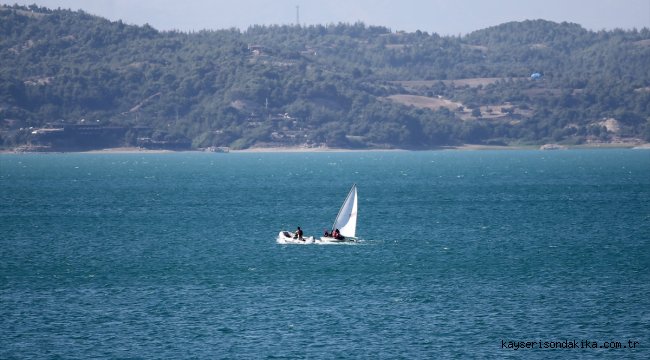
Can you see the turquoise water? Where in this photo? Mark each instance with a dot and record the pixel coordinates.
(174, 255)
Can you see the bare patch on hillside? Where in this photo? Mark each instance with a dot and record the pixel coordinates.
(505, 112)
(245, 105)
(542, 91)
(28, 13)
(645, 42)
(611, 125)
(538, 46)
(480, 48)
(471, 82)
(39, 81)
(17, 49)
(425, 102)
(395, 46)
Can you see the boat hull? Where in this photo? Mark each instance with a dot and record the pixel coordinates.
(286, 238)
(331, 240)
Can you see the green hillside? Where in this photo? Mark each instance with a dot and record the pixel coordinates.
(71, 80)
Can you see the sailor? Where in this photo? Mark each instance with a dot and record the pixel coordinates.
(298, 234)
(327, 234)
(337, 234)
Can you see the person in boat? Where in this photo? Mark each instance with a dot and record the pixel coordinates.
(327, 234)
(298, 234)
(337, 235)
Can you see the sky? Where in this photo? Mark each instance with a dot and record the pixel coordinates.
(445, 17)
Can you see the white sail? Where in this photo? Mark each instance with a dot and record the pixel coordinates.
(346, 220)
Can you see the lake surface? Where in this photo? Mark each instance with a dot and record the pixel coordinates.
(461, 252)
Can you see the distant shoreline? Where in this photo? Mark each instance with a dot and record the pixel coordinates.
(301, 149)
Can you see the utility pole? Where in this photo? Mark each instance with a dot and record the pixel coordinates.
(297, 15)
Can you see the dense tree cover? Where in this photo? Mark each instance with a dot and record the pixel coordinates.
(321, 84)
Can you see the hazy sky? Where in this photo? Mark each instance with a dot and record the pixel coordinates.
(441, 16)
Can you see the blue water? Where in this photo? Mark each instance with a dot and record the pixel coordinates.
(174, 255)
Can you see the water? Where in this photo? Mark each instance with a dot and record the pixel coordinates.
(174, 255)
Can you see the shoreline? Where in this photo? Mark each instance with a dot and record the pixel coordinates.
(301, 149)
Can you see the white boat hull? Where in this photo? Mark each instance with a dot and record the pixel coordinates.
(286, 237)
(331, 240)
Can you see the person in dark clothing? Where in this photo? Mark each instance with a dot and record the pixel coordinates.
(298, 234)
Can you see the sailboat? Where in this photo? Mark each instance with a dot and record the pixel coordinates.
(345, 222)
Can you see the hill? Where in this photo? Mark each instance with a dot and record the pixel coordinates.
(70, 80)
